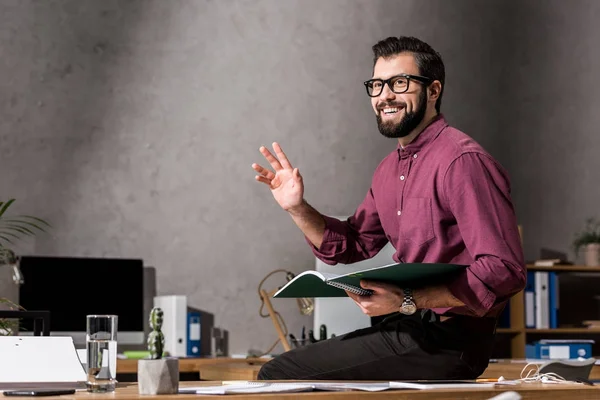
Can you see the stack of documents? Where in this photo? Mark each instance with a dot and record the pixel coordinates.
(238, 387)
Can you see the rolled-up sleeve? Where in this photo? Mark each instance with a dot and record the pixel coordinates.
(477, 190)
(357, 238)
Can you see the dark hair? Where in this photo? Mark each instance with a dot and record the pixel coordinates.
(428, 60)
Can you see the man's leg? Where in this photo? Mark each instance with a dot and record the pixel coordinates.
(391, 350)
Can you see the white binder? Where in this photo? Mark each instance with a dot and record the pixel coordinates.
(174, 308)
(542, 314)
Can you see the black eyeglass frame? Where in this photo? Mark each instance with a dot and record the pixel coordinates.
(409, 77)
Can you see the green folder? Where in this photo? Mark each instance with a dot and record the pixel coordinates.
(323, 284)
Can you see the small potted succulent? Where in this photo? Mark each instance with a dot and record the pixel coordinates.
(157, 374)
(589, 241)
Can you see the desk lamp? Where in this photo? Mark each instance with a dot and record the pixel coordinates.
(305, 306)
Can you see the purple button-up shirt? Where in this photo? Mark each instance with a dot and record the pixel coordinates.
(440, 199)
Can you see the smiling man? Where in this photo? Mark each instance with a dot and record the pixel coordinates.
(439, 197)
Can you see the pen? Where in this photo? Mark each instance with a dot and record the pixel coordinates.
(322, 332)
(303, 335)
(487, 380)
(294, 341)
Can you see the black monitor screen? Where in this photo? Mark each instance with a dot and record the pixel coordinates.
(71, 288)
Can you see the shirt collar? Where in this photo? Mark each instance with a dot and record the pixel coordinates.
(428, 134)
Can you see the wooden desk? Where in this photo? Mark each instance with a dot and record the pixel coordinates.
(244, 371)
(229, 372)
(527, 391)
(190, 364)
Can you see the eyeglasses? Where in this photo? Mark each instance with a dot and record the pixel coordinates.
(397, 84)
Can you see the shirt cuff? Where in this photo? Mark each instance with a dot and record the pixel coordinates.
(334, 241)
(469, 289)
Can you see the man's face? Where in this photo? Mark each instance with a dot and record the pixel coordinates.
(399, 114)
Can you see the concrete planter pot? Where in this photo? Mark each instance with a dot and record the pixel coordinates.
(158, 376)
(592, 254)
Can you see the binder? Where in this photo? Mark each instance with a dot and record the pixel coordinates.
(193, 334)
(553, 305)
(530, 300)
(542, 315)
(559, 349)
(174, 323)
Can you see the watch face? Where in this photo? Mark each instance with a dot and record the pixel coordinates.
(409, 308)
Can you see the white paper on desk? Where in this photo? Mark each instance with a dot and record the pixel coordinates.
(36, 360)
(248, 387)
(344, 386)
(433, 385)
(267, 387)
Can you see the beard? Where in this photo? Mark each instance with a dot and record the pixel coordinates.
(407, 124)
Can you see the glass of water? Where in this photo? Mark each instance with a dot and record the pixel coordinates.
(101, 346)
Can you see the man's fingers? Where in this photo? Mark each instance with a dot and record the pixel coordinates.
(270, 158)
(364, 310)
(263, 171)
(356, 299)
(262, 179)
(281, 155)
(352, 295)
(376, 286)
(297, 175)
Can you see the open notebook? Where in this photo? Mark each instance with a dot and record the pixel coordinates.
(324, 284)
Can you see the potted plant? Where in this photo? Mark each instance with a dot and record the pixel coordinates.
(8, 326)
(157, 374)
(13, 229)
(589, 241)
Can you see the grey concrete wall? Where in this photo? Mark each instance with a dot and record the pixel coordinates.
(551, 132)
(132, 125)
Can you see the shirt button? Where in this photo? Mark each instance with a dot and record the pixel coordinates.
(415, 156)
(401, 177)
(399, 212)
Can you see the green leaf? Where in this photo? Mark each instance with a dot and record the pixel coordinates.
(5, 206)
(24, 222)
(9, 234)
(41, 221)
(6, 239)
(20, 229)
(16, 227)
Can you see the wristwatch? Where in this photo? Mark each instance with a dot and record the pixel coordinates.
(408, 306)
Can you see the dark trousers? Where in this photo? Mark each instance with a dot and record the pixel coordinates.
(400, 347)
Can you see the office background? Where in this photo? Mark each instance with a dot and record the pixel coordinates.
(132, 126)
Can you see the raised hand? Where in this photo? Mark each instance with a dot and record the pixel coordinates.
(284, 181)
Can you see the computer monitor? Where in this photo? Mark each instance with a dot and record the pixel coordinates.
(73, 287)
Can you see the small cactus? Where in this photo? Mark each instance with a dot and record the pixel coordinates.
(156, 339)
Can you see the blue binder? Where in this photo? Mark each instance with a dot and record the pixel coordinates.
(559, 349)
(193, 334)
(530, 300)
(553, 299)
